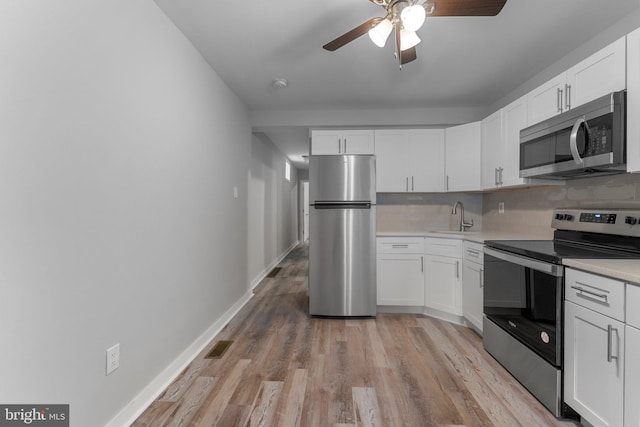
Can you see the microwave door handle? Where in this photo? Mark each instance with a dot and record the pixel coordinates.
(573, 138)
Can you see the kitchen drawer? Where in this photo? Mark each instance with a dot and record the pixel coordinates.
(473, 252)
(444, 247)
(598, 293)
(400, 245)
(633, 305)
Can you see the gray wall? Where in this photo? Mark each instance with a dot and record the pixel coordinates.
(119, 151)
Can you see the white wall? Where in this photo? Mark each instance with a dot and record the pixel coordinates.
(119, 150)
(273, 208)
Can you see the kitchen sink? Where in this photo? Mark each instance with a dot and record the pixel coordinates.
(454, 232)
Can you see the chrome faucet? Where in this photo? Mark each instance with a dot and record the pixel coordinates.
(463, 225)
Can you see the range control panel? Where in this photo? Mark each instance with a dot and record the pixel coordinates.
(599, 218)
(624, 222)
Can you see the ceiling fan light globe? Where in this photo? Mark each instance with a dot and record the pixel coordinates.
(408, 39)
(413, 17)
(380, 33)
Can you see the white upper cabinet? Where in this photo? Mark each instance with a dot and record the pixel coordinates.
(492, 143)
(598, 75)
(342, 142)
(463, 157)
(602, 73)
(546, 100)
(514, 119)
(409, 160)
(501, 147)
(633, 101)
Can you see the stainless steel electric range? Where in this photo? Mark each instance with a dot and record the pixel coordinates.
(524, 293)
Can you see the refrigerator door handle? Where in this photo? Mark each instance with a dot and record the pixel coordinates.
(364, 205)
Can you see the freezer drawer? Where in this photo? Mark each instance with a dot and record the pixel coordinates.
(342, 262)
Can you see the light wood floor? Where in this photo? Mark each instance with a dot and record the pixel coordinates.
(287, 369)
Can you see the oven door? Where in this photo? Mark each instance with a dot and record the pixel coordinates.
(523, 296)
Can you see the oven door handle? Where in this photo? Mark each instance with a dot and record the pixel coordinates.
(545, 267)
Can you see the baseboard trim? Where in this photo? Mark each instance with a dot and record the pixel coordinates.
(273, 263)
(442, 315)
(139, 403)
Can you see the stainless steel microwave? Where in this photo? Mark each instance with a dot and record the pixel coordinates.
(585, 141)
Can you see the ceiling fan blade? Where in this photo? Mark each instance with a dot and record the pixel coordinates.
(404, 56)
(465, 7)
(352, 35)
(408, 55)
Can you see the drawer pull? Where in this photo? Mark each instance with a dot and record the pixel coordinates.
(400, 246)
(473, 253)
(589, 293)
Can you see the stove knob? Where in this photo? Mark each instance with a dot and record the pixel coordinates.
(568, 217)
(560, 216)
(630, 220)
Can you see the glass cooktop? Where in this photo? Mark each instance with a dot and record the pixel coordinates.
(555, 251)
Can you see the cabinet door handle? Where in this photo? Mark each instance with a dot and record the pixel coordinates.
(407, 184)
(422, 263)
(339, 146)
(457, 269)
(481, 278)
(589, 293)
(399, 246)
(447, 183)
(500, 176)
(559, 100)
(610, 355)
(495, 176)
(567, 96)
(345, 146)
(412, 189)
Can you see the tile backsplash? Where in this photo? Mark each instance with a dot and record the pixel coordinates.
(426, 212)
(531, 208)
(526, 209)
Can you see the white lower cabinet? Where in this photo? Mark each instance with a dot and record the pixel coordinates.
(472, 284)
(594, 345)
(632, 377)
(594, 365)
(443, 282)
(632, 358)
(400, 264)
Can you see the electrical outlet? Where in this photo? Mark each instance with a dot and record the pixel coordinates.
(113, 359)
(500, 207)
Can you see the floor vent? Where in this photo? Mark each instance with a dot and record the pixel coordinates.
(218, 350)
(275, 271)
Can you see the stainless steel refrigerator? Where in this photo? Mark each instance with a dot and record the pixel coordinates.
(342, 236)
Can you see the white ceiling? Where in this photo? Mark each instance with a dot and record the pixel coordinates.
(462, 61)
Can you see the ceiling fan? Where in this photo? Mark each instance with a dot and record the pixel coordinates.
(407, 16)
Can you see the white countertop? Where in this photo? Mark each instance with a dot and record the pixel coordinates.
(627, 270)
(473, 236)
